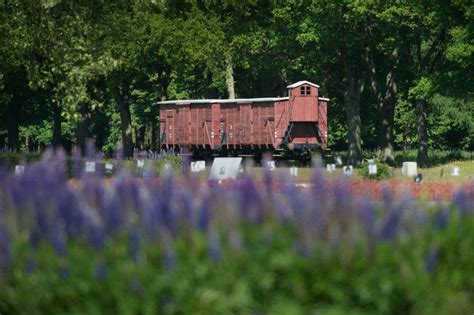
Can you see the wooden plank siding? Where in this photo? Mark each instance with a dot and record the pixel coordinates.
(259, 123)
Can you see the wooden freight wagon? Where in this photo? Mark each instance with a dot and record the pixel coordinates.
(293, 125)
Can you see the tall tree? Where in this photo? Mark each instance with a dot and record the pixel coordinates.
(14, 44)
(341, 59)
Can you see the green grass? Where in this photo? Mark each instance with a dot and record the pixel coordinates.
(438, 174)
(442, 173)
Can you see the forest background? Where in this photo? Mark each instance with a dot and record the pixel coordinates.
(399, 73)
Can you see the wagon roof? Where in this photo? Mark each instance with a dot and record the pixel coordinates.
(291, 86)
(229, 101)
(224, 101)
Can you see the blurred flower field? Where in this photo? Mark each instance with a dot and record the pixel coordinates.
(165, 244)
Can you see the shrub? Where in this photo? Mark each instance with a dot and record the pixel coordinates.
(383, 172)
(172, 246)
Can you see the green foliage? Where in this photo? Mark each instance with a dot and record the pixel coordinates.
(452, 123)
(175, 161)
(159, 165)
(37, 137)
(153, 50)
(267, 276)
(437, 157)
(383, 172)
(405, 125)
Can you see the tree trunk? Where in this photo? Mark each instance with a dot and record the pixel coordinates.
(352, 108)
(82, 128)
(387, 112)
(386, 134)
(56, 126)
(140, 137)
(230, 80)
(13, 131)
(154, 136)
(164, 89)
(422, 157)
(164, 81)
(121, 96)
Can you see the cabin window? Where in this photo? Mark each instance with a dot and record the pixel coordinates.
(305, 90)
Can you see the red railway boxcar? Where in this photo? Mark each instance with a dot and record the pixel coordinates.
(293, 125)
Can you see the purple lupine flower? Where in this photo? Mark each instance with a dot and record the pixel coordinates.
(461, 201)
(149, 174)
(97, 237)
(367, 216)
(112, 212)
(267, 175)
(342, 193)
(59, 239)
(41, 218)
(319, 184)
(119, 152)
(34, 238)
(127, 192)
(282, 211)
(153, 218)
(101, 271)
(431, 259)
(169, 256)
(214, 246)
(61, 159)
(387, 196)
(16, 191)
(419, 215)
(302, 247)
(136, 286)
(442, 218)
(185, 161)
(94, 191)
(64, 272)
(76, 162)
(30, 266)
(292, 195)
(204, 214)
(250, 200)
(67, 210)
(90, 149)
(187, 205)
(390, 224)
(134, 244)
(235, 240)
(5, 247)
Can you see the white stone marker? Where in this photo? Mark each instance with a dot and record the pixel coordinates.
(225, 168)
(167, 167)
(409, 169)
(270, 165)
(294, 171)
(19, 170)
(331, 168)
(90, 167)
(371, 161)
(348, 170)
(372, 169)
(140, 163)
(455, 170)
(109, 167)
(198, 166)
